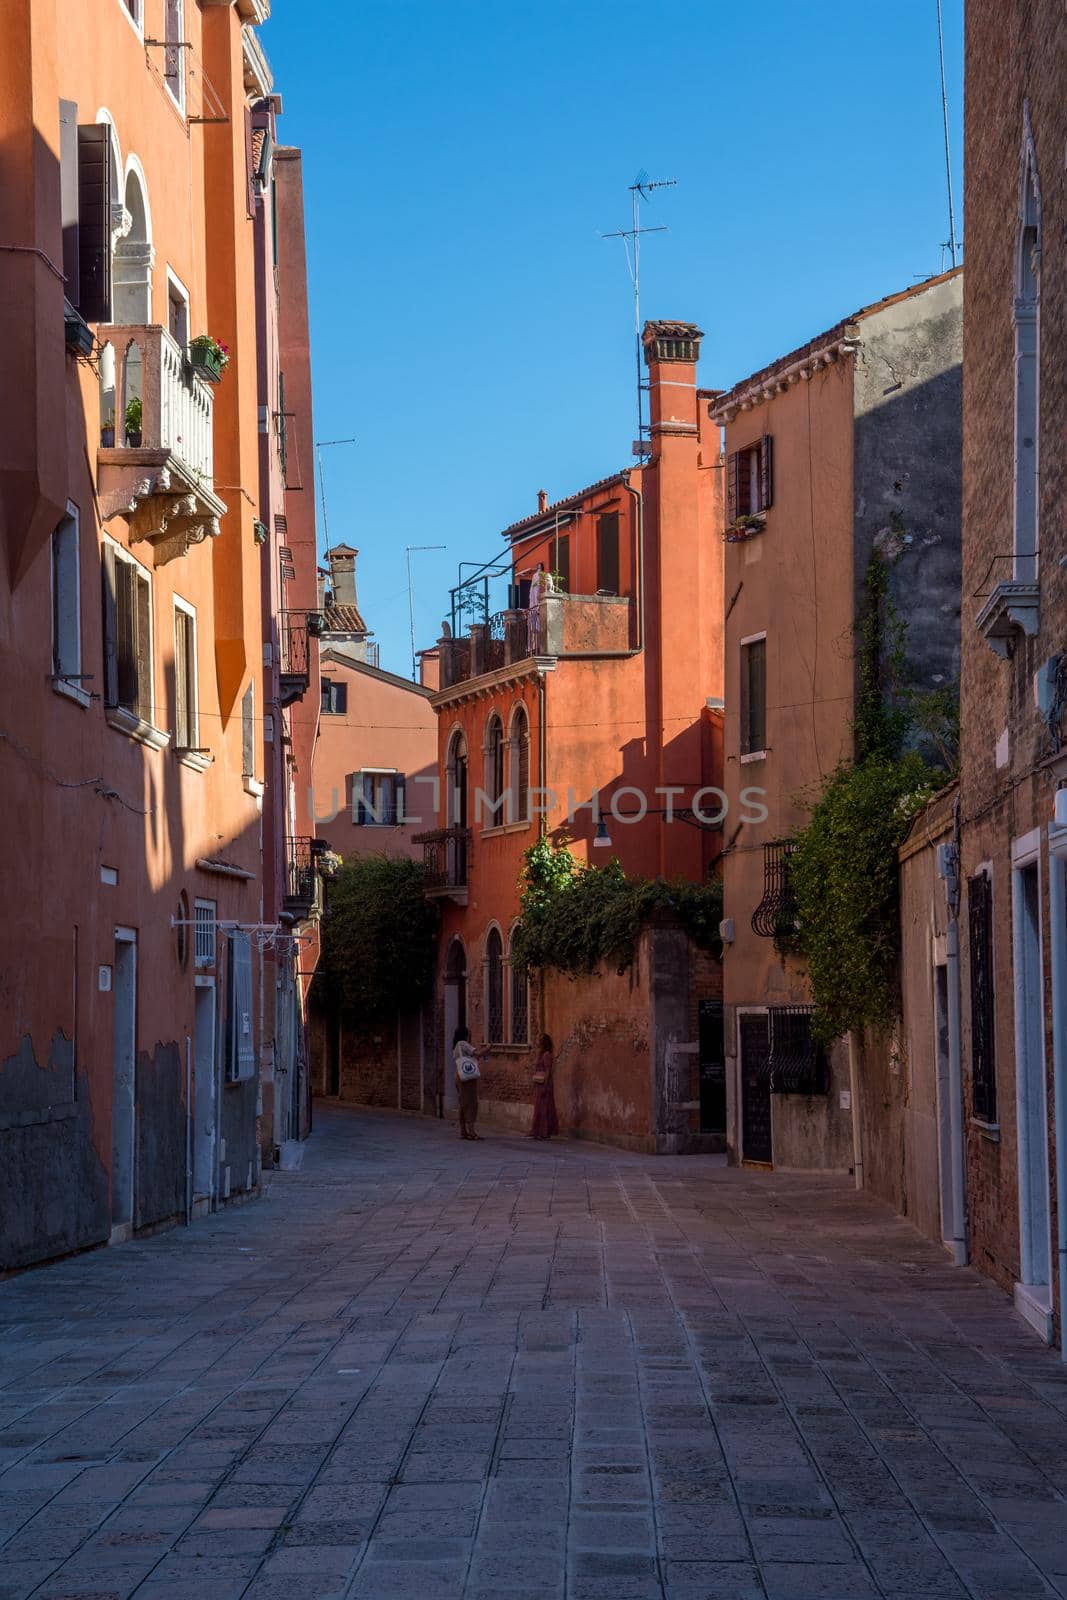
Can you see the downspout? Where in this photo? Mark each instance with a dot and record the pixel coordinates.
(948, 866)
(542, 751)
(1058, 914)
(857, 1120)
(188, 1130)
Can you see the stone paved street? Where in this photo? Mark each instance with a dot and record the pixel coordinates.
(417, 1368)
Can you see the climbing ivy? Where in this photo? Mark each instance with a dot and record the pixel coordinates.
(377, 938)
(576, 917)
(844, 871)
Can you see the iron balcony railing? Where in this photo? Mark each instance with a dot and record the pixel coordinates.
(776, 915)
(301, 883)
(446, 856)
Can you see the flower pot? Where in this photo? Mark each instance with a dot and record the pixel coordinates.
(107, 438)
(206, 365)
(133, 438)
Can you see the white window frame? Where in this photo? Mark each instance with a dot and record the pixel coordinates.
(359, 819)
(123, 554)
(136, 22)
(751, 755)
(175, 8)
(68, 685)
(194, 697)
(201, 960)
(177, 290)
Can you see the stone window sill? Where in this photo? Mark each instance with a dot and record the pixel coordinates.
(195, 760)
(1011, 609)
(253, 787)
(134, 727)
(988, 1130)
(72, 691)
(502, 828)
(753, 755)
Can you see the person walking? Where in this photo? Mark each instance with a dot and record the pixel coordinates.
(545, 1120)
(468, 1072)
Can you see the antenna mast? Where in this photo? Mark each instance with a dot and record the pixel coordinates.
(952, 241)
(640, 189)
(320, 446)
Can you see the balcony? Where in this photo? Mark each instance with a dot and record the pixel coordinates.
(564, 625)
(156, 456)
(1011, 610)
(296, 630)
(301, 898)
(446, 857)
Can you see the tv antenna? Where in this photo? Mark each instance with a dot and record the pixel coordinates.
(320, 446)
(411, 603)
(952, 242)
(640, 189)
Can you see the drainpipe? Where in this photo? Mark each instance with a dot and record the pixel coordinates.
(542, 750)
(948, 868)
(1058, 914)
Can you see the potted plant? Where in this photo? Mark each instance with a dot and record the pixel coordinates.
(107, 432)
(134, 417)
(316, 623)
(329, 864)
(208, 357)
(743, 527)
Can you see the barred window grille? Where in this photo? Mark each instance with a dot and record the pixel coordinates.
(983, 1014)
(520, 1004)
(798, 1064)
(494, 770)
(776, 914)
(204, 930)
(494, 987)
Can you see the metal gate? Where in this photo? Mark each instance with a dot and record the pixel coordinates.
(712, 1060)
(755, 1043)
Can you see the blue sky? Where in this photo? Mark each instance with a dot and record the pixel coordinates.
(471, 328)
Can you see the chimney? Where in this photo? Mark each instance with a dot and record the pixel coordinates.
(674, 346)
(342, 559)
(542, 500)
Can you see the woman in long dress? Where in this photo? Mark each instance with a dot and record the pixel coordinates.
(545, 1120)
(466, 1060)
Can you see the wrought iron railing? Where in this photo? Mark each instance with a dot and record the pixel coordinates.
(446, 856)
(296, 653)
(983, 1013)
(776, 915)
(797, 1061)
(300, 885)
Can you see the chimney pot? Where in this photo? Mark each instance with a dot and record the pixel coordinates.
(542, 499)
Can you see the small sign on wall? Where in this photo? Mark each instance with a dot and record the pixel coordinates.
(846, 1099)
(103, 980)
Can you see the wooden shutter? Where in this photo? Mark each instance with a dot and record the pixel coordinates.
(401, 798)
(110, 630)
(522, 783)
(339, 696)
(142, 592)
(250, 197)
(563, 562)
(181, 684)
(68, 183)
(94, 221)
(607, 552)
(125, 636)
(248, 732)
(766, 472)
(731, 487)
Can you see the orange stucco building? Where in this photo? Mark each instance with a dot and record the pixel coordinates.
(131, 621)
(591, 707)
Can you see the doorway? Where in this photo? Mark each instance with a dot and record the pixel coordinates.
(943, 1092)
(1033, 1293)
(712, 1060)
(124, 1098)
(455, 1014)
(754, 1043)
(205, 1098)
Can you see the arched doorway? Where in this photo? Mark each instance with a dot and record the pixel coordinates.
(455, 1013)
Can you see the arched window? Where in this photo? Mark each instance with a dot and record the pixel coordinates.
(519, 1031)
(494, 772)
(494, 987)
(1027, 368)
(456, 807)
(519, 776)
(134, 257)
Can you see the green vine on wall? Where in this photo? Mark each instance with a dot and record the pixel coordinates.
(844, 871)
(378, 938)
(576, 918)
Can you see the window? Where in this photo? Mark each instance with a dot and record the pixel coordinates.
(66, 602)
(173, 51)
(776, 915)
(378, 798)
(519, 785)
(248, 732)
(87, 167)
(127, 634)
(204, 933)
(607, 553)
(186, 731)
(983, 1013)
(494, 771)
(750, 480)
(1027, 307)
(754, 695)
(334, 698)
(797, 1062)
(177, 311)
(520, 1000)
(561, 556)
(494, 987)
